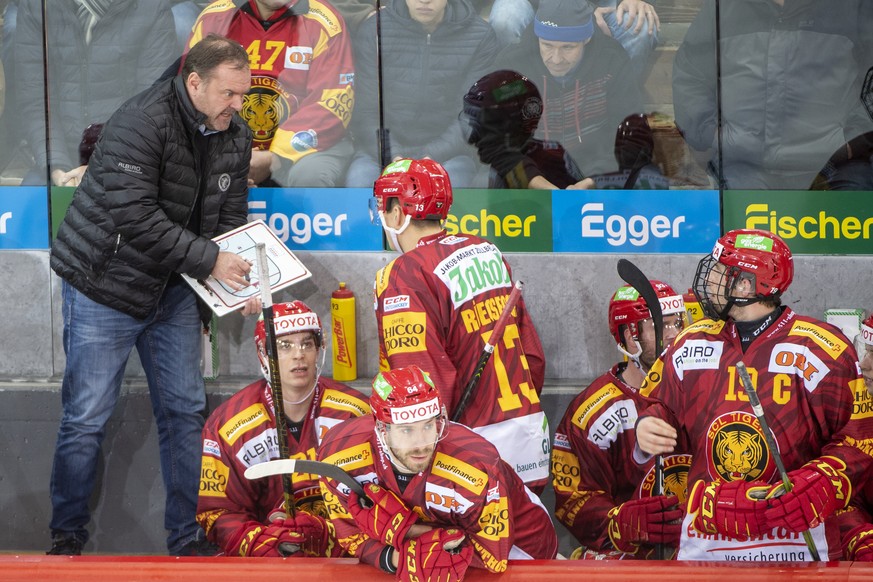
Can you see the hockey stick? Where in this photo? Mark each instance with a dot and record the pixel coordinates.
(752, 393)
(632, 275)
(275, 376)
(382, 138)
(496, 334)
(285, 467)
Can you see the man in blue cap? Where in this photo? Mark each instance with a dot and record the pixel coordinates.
(583, 77)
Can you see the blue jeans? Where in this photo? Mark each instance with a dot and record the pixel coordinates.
(509, 18)
(98, 341)
(462, 170)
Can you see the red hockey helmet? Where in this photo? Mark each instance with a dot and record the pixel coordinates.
(627, 307)
(505, 102)
(757, 255)
(421, 186)
(405, 395)
(288, 318)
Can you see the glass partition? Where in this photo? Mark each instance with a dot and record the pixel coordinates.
(540, 94)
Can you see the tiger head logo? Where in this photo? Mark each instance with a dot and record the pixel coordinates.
(675, 477)
(312, 504)
(676, 484)
(265, 108)
(737, 450)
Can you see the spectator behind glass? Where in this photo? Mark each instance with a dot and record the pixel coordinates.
(100, 53)
(432, 51)
(633, 23)
(583, 77)
(185, 12)
(302, 93)
(851, 167)
(501, 113)
(791, 76)
(634, 151)
(11, 136)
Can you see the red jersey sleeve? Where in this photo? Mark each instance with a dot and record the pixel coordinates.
(583, 479)
(228, 503)
(347, 446)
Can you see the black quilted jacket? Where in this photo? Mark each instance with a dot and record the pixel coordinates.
(127, 229)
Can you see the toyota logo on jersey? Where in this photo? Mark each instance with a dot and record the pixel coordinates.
(295, 323)
(416, 412)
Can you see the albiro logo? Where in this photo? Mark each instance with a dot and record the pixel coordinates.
(473, 270)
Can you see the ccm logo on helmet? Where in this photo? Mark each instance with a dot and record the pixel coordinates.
(416, 412)
(292, 323)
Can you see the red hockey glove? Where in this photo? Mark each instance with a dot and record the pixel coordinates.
(319, 535)
(438, 554)
(653, 520)
(276, 539)
(733, 509)
(387, 520)
(859, 547)
(820, 487)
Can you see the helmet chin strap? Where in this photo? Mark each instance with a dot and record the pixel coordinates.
(635, 357)
(739, 302)
(393, 233)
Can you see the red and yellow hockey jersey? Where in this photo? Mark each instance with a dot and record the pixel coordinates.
(435, 307)
(302, 92)
(241, 433)
(807, 376)
(592, 460)
(467, 486)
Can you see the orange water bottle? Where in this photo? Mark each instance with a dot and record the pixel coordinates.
(345, 355)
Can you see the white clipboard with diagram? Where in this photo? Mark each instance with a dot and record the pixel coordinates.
(285, 268)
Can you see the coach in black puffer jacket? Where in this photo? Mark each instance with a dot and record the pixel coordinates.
(169, 171)
(131, 224)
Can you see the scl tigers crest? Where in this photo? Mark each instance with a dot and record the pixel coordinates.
(311, 501)
(737, 450)
(675, 477)
(265, 108)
